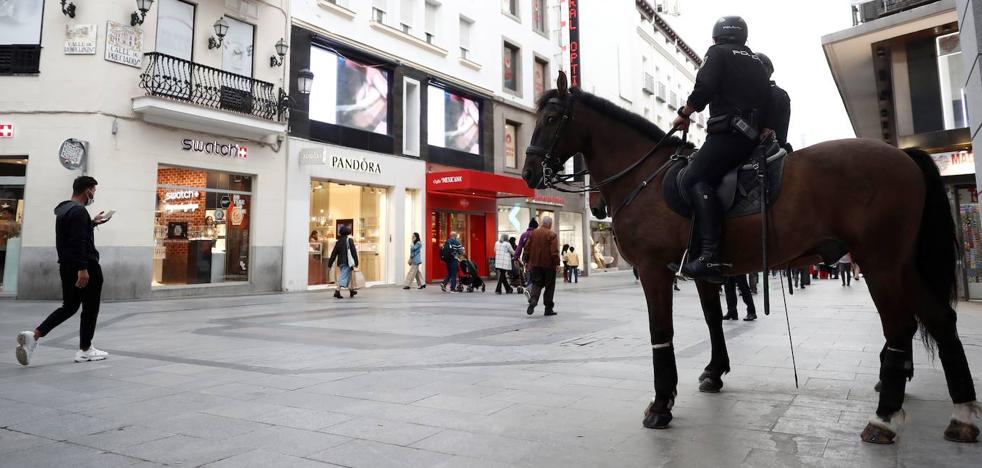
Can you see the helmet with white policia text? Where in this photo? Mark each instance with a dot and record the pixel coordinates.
(730, 30)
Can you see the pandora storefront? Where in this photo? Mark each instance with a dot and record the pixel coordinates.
(378, 197)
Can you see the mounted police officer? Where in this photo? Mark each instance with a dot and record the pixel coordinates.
(733, 83)
(779, 110)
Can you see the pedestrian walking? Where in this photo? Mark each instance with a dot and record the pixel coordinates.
(81, 276)
(753, 282)
(542, 255)
(415, 260)
(346, 255)
(572, 261)
(448, 254)
(562, 256)
(845, 269)
(522, 240)
(503, 258)
(730, 286)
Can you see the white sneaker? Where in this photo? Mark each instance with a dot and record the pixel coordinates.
(92, 354)
(26, 344)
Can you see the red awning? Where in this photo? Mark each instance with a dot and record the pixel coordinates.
(477, 184)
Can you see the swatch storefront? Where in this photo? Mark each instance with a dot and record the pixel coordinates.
(380, 198)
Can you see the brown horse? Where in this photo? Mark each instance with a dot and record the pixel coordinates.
(897, 224)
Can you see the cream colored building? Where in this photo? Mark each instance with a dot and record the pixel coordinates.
(184, 136)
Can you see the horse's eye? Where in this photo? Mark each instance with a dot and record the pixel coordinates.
(551, 119)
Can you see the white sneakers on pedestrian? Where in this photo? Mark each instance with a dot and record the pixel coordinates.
(25, 347)
(92, 354)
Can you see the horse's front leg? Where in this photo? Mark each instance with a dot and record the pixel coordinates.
(657, 283)
(711, 379)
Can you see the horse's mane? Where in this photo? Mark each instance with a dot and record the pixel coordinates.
(618, 113)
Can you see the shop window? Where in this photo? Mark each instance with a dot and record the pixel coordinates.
(201, 227)
(454, 121)
(20, 36)
(13, 172)
(237, 48)
(539, 15)
(511, 143)
(348, 93)
(540, 76)
(361, 209)
(510, 67)
(571, 229)
(952, 81)
(411, 117)
(513, 220)
(432, 21)
(175, 29)
(465, 38)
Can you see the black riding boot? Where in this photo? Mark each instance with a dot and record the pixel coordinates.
(706, 215)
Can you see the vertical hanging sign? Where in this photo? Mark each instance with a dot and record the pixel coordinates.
(574, 44)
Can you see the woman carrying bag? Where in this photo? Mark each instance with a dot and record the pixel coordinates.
(347, 256)
(415, 260)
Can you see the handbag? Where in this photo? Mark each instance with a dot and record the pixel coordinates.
(351, 259)
(357, 280)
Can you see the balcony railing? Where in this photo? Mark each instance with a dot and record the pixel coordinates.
(863, 12)
(182, 80)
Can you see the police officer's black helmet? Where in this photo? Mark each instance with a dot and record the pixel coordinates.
(768, 65)
(730, 30)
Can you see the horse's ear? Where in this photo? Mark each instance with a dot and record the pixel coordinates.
(562, 83)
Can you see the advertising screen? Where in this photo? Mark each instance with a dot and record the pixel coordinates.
(454, 122)
(346, 92)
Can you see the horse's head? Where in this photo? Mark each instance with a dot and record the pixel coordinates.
(554, 139)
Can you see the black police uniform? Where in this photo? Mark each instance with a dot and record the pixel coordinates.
(732, 81)
(779, 113)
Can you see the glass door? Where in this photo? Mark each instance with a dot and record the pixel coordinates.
(13, 171)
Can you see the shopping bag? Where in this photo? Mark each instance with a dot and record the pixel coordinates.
(357, 280)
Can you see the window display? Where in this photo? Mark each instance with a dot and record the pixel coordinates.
(202, 225)
(13, 170)
(362, 209)
(348, 93)
(513, 220)
(571, 229)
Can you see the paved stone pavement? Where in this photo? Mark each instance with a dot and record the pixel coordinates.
(423, 379)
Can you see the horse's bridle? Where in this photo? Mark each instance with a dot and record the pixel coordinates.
(552, 165)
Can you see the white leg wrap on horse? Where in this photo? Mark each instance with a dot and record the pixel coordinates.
(965, 412)
(896, 419)
(661, 345)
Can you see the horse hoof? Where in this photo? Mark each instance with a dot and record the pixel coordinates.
(657, 420)
(878, 387)
(710, 385)
(958, 431)
(705, 374)
(877, 435)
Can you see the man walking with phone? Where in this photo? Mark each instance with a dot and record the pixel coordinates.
(81, 276)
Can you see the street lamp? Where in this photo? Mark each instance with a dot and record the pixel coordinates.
(138, 16)
(281, 48)
(305, 81)
(221, 28)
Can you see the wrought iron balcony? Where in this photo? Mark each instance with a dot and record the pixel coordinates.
(863, 12)
(181, 80)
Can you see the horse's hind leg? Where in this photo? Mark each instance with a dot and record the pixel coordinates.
(938, 318)
(895, 304)
(710, 381)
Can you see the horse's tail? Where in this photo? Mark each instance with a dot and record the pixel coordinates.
(937, 246)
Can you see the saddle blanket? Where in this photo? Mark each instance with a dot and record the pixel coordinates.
(738, 192)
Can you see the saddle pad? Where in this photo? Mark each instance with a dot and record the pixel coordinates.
(739, 192)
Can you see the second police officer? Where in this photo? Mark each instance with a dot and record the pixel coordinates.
(733, 83)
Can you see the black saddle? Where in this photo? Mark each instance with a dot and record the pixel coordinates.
(738, 192)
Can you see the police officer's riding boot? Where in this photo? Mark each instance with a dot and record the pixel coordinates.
(706, 213)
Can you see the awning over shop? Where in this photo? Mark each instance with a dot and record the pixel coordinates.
(477, 184)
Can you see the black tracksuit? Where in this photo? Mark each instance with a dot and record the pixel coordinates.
(75, 242)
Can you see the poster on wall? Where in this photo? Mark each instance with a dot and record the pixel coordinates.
(175, 28)
(237, 47)
(124, 44)
(20, 21)
(80, 39)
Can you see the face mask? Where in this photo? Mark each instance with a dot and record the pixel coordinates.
(91, 199)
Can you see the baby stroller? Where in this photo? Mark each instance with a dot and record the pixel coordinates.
(469, 276)
(516, 277)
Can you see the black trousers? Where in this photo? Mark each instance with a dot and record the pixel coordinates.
(730, 287)
(88, 298)
(845, 271)
(543, 279)
(718, 155)
(503, 280)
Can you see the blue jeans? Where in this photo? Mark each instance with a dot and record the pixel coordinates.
(345, 277)
(574, 274)
(451, 278)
